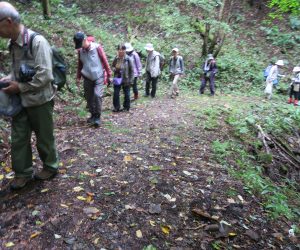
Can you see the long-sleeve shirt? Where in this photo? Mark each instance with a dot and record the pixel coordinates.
(39, 90)
(137, 63)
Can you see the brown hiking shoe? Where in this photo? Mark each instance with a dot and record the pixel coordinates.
(45, 174)
(19, 182)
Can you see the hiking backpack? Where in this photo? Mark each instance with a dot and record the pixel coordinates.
(59, 68)
(162, 61)
(267, 71)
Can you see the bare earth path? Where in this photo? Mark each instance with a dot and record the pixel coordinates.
(143, 178)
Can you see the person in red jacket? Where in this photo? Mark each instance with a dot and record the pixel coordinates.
(94, 68)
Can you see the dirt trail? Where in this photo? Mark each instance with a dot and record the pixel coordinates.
(144, 177)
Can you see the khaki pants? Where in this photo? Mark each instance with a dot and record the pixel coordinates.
(174, 90)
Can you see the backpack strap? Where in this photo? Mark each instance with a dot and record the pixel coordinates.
(32, 36)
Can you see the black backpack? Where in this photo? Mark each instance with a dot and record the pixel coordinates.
(59, 67)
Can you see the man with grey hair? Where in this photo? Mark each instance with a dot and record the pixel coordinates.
(31, 77)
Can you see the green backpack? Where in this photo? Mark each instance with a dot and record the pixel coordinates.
(59, 67)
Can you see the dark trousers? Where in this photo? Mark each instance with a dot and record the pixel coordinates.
(294, 93)
(116, 98)
(39, 120)
(134, 86)
(211, 80)
(93, 92)
(153, 81)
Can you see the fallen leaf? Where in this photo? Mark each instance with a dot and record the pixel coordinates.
(127, 207)
(127, 158)
(91, 210)
(152, 223)
(35, 235)
(155, 168)
(9, 244)
(139, 234)
(187, 173)
(169, 198)
(1, 177)
(57, 236)
(166, 229)
(81, 198)
(64, 205)
(35, 212)
(45, 190)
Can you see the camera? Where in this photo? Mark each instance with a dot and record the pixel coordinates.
(3, 84)
(26, 73)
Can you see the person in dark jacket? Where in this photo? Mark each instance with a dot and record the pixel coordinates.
(210, 69)
(123, 69)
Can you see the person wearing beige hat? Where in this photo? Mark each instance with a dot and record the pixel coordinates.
(295, 87)
(152, 70)
(273, 78)
(176, 70)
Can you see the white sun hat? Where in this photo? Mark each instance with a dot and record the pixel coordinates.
(175, 49)
(129, 47)
(149, 46)
(280, 63)
(296, 69)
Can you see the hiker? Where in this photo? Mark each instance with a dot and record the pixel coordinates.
(94, 68)
(152, 70)
(34, 85)
(267, 69)
(210, 69)
(123, 69)
(295, 87)
(176, 70)
(273, 78)
(137, 68)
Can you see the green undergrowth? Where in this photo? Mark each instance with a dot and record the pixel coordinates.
(231, 149)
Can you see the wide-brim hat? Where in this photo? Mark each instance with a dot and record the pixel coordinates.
(296, 69)
(129, 47)
(149, 46)
(78, 39)
(210, 57)
(280, 63)
(175, 49)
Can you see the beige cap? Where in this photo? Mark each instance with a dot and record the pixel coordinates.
(296, 69)
(280, 63)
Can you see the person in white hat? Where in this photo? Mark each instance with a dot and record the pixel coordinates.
(176, 70)
(152, 70)
(295, 87)
(210, 69)
(273, 78)
(137, 68)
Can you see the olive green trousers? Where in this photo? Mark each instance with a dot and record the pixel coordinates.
(40, 121)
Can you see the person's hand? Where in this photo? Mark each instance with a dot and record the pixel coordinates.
(13, 88)
(5, 79)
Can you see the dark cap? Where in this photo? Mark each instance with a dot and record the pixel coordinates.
(78, 39)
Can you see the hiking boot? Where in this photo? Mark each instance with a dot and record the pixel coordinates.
(97, 122)
(90, 120)
(296, 103)
(45, 174)
(19, 182)
(116, 110)
(290, 101)
(136, 96)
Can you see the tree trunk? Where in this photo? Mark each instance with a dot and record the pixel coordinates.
(46, 9)
(205, 40)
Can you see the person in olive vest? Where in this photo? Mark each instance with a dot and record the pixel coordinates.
(123, 69)
(94, 68)
(36, 92)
